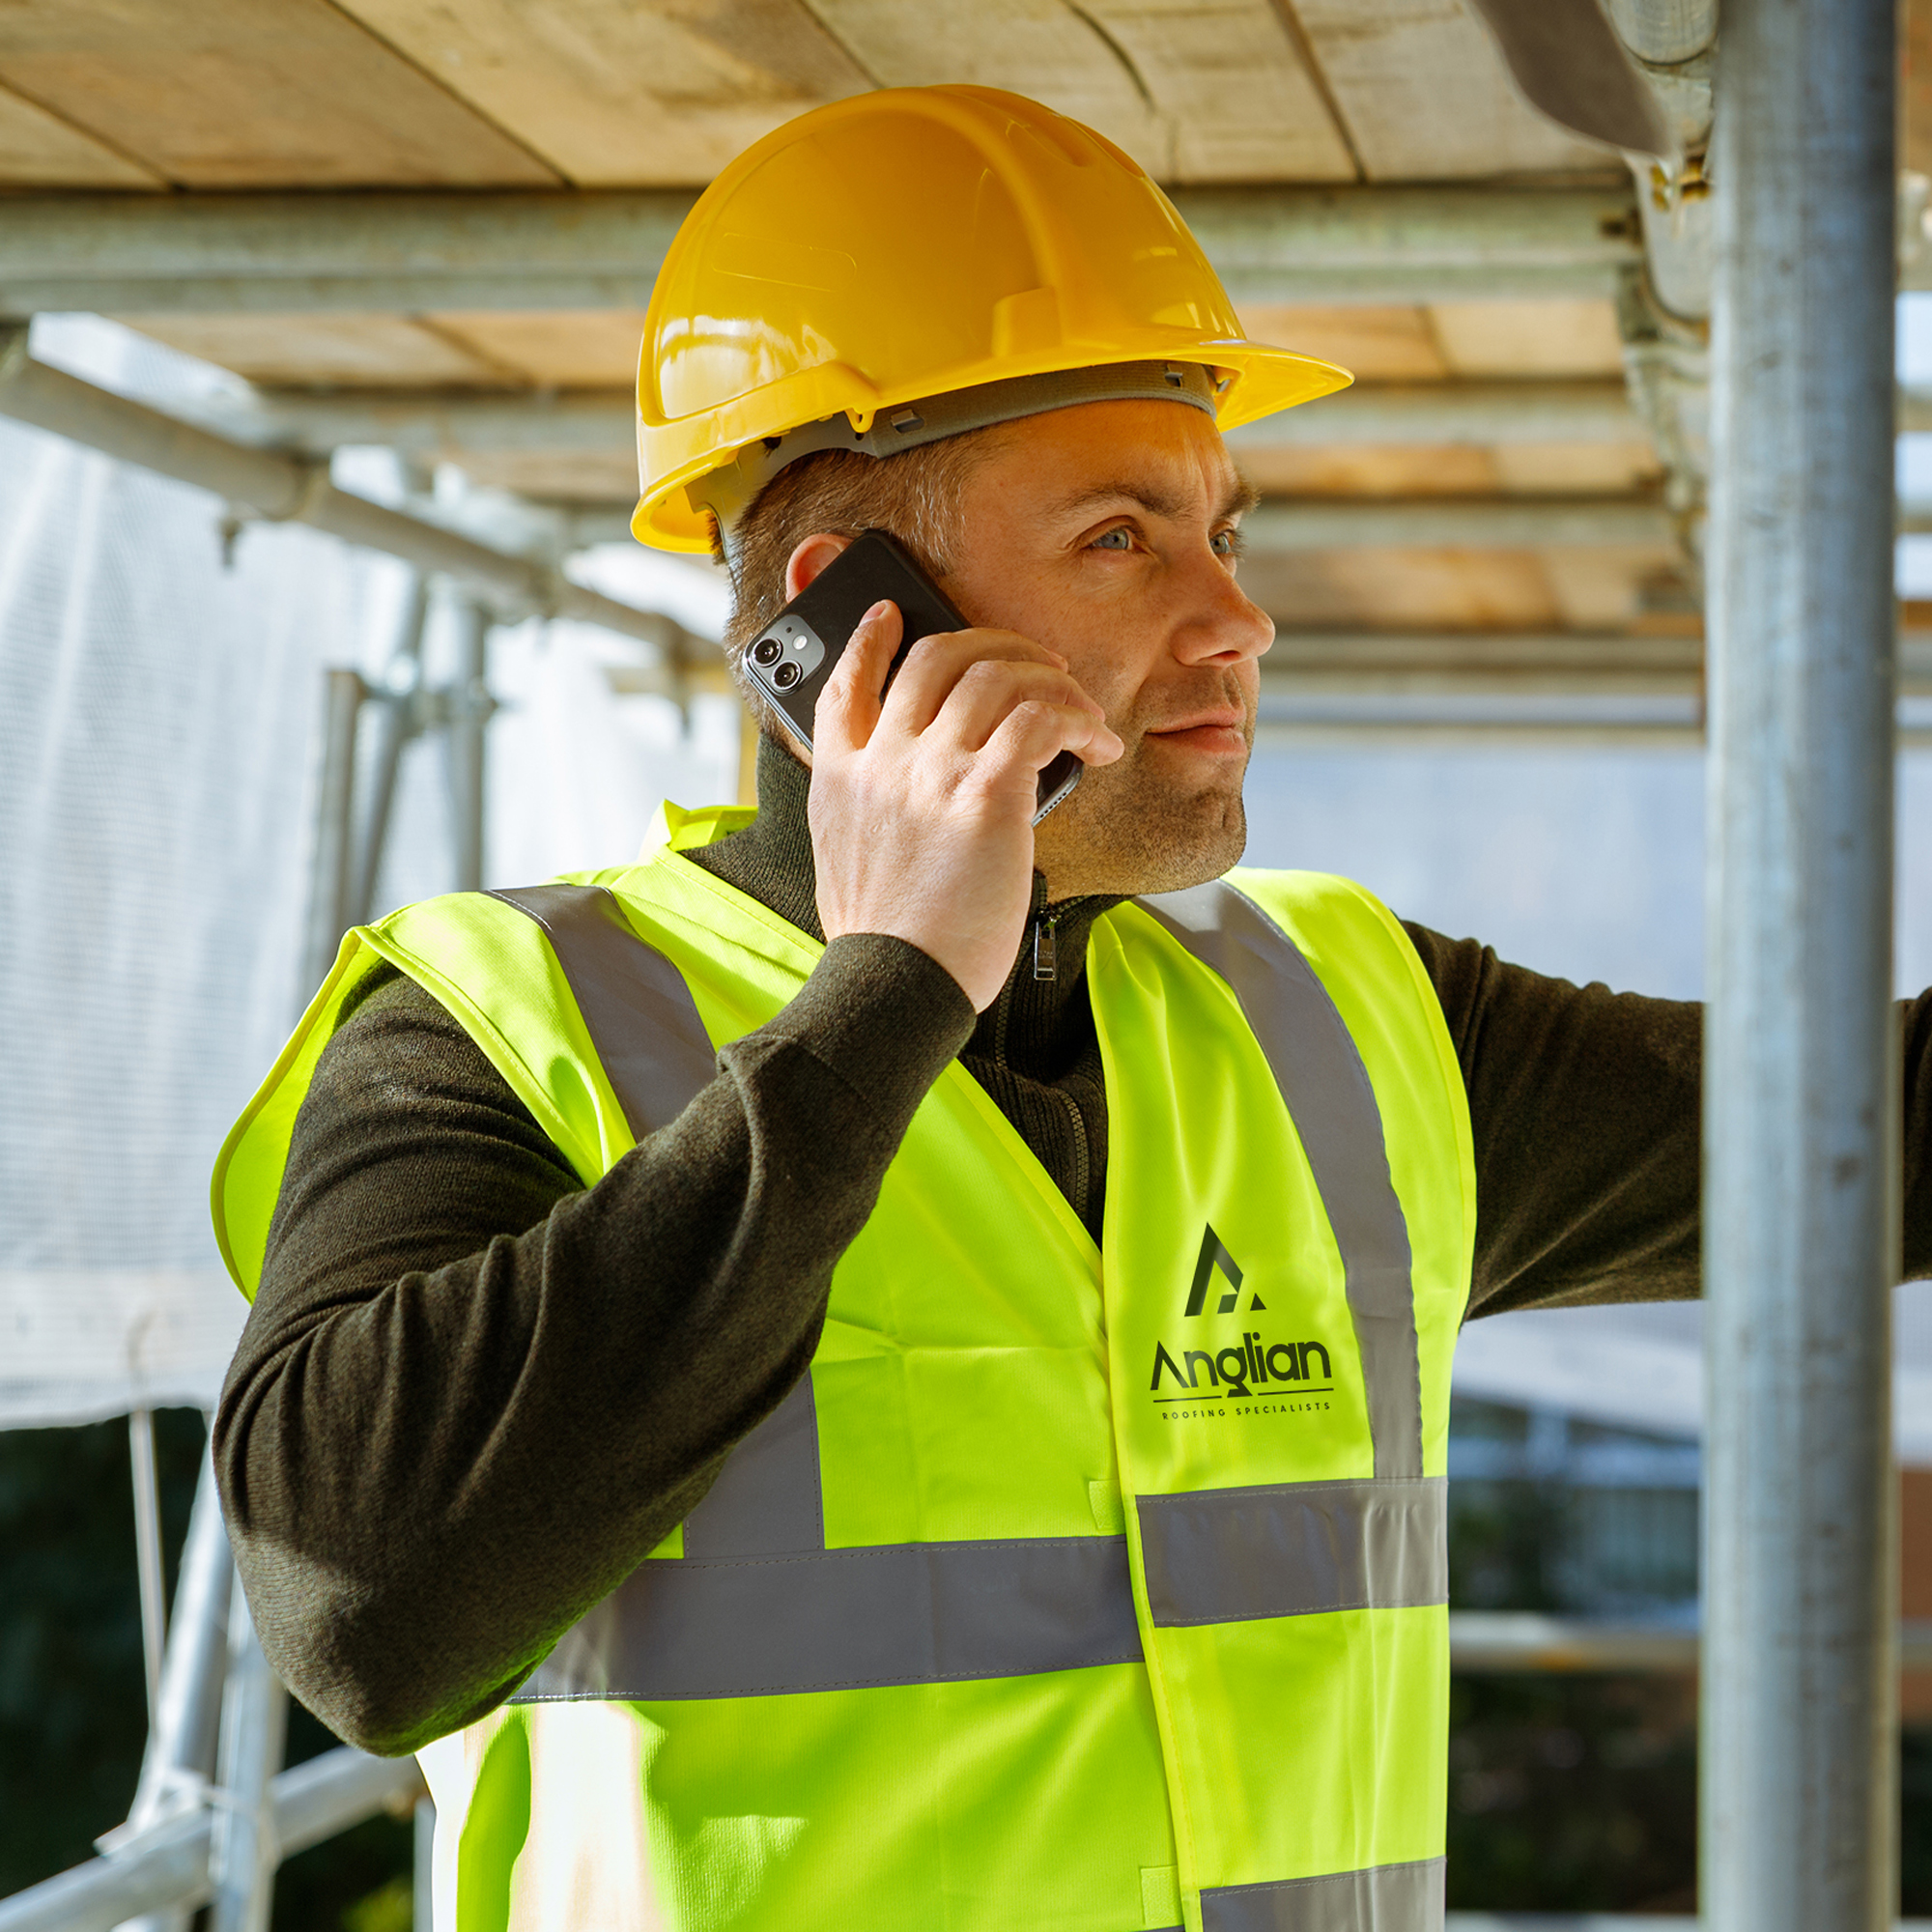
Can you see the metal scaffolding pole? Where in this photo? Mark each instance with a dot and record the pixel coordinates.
(277, 488)
(242, 1852)
(287, 254)
(1801, 1214)
(444, 423)
(147, 1552)
(181, 1743)
(394, 705)
(165, 1869)
(422, 1888)
(469, 716)
(180, 1757)
(332, 866)
(1284, 523)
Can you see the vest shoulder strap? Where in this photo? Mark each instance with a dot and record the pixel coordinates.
(1327, 1089)
(489, 959)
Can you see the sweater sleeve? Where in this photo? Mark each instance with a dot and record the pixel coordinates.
(471, 1396)
(1585, 1109)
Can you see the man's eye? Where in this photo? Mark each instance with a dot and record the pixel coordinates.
(1117, 539)
(1224, 543)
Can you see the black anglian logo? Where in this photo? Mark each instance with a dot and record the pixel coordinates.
(1215, 1255)
(1256, 1364)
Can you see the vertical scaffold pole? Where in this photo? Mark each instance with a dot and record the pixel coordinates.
(148, 1555)
(181, 1741)
(1800, 1242)
(468, 723)
(242, 1853)
(396, 721)
(424, 1886)
(332, 863)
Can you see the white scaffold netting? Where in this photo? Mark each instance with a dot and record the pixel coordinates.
(159, 752)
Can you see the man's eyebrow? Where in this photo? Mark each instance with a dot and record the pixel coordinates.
(1151, 496)
(1240, 498)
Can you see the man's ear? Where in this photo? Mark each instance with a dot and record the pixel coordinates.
(809, 558)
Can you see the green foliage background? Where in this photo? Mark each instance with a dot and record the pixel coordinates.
(73, 1702)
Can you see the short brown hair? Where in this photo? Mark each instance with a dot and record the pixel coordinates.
(914, 494)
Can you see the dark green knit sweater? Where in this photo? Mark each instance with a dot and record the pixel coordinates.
(472, 1395)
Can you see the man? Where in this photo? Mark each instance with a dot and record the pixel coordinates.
(970, 1454)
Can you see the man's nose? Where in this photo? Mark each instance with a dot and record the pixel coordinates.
(1218, 623)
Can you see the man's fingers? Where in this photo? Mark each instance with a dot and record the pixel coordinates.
(989, 690)
(935, 665)
(1033, 733)
(847, 712)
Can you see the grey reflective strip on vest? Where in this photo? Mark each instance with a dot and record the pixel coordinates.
(1321, 1077)
(658, 1057)
(1384, 1898)
(636, 1009)
(767, 1500)
(845, 1619)
(1291, 1549)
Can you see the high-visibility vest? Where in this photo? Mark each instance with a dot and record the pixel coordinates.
(1074, 1587)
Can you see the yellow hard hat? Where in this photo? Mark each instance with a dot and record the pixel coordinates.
(903, 246)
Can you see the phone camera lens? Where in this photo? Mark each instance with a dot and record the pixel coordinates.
(787, 675)
(767, 651)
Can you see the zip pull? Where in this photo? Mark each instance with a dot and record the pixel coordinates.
(1042, 931)
(1042, 947)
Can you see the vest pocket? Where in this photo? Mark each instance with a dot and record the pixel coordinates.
(1160, 1897)
(1108, 1505)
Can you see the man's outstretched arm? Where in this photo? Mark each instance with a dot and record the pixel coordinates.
(472, 1396)
(1585, 1109)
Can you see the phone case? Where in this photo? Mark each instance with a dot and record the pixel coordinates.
(791, 659)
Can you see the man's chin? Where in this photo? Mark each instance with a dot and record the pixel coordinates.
(1143, 838)
(1176, 871)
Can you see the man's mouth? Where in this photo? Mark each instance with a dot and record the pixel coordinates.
(1220, 732)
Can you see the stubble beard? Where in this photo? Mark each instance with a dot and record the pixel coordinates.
(1149, 823)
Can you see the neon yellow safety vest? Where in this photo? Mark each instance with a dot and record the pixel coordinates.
(1074, 1587)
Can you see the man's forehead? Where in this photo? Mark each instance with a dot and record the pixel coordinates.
(1167, 457)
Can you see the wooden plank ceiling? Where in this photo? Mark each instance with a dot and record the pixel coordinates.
(237, 94)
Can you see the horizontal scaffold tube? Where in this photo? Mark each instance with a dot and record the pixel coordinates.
(455, 425)
(1577, 664)
(1454, 522)
(167, 1866)
(1516, 1640)
(603, 422)
(408, 253)
(280, 488)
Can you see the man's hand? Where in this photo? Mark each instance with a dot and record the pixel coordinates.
(922, 806)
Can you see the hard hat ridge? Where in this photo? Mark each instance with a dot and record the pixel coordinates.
(958, 253)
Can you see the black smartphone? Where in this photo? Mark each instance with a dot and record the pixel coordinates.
(793, 656)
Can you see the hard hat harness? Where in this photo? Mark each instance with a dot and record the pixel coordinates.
(731, 490)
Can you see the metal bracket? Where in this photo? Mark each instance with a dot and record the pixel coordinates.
(1666, 366)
